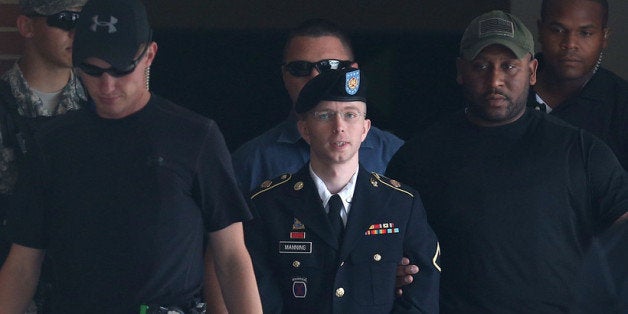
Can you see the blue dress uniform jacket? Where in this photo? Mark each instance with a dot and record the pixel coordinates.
(300, 267)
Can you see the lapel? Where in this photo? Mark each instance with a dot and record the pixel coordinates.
(367, 205)
(308, 207)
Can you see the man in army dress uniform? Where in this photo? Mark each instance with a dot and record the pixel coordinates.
(327, 239)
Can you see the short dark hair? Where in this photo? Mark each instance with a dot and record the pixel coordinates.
(319, 27)
(604, 3)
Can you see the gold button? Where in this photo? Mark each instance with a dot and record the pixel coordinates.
(340, 292)
(298, 186)
(296, 264)
(377, 257)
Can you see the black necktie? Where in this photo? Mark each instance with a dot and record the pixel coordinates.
(335, 205)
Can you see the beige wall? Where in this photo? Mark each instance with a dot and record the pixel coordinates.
(616, 58)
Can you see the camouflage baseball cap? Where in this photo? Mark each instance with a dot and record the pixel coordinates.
(496, 28)
(48, 7)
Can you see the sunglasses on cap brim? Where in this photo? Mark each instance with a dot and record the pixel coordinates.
(65, 20)
(304, 68)
(95, 71)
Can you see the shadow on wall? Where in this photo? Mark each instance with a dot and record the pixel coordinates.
(234, 78)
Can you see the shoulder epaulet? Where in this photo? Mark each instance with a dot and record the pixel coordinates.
(377, 178)
(270, 184)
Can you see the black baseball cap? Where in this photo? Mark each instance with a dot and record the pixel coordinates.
(111, 30)
(345, 85)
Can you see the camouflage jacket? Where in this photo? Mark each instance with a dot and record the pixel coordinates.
(20, 100)
(29, 105)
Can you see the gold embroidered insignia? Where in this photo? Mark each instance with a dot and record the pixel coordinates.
(394, 184)
(268, 185)
(374, 182)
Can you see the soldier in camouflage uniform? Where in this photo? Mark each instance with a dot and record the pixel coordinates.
(39, 86)
(18, 97)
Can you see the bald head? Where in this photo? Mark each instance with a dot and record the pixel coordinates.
(548, 5)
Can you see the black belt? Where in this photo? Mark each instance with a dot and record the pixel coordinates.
(196, 308)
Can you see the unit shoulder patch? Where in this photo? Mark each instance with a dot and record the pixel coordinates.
(270, 184)
(380, 180)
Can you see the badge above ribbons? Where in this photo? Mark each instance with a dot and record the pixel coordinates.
(297, 225)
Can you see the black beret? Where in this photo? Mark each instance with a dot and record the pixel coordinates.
(345, 85)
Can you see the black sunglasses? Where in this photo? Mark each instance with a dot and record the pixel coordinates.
(65, 20)
(95, 71)
(304, 68)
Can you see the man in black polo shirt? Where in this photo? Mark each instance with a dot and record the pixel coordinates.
(514, 195)
(571, 84)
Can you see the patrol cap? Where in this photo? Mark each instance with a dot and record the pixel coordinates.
(345, 85)
(496, 27)
(111, 30)
(48, 7)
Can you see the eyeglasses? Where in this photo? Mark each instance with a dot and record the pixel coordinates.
(65, 20)
(328, 115)
(95, 71)
(304, 68)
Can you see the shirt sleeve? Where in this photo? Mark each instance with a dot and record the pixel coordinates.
(608, 182)
(404, 165)
(602, 283)
(245, 168)
(26, 217)
(217, 191)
